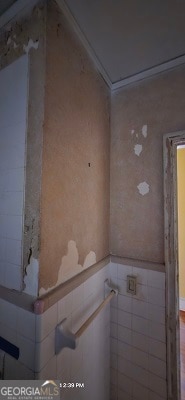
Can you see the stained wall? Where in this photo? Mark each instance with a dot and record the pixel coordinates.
(76, 157)
(140, 115)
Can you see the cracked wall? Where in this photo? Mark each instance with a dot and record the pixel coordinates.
(76, 156)
(140, 115)
(26, 35)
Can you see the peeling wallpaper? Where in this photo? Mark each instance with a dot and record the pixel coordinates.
(26, 35)
(76, 159)
(140, 115)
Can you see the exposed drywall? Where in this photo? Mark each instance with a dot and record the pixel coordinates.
(141, 114)
(26, 35)
(76, 156)
(181, 218)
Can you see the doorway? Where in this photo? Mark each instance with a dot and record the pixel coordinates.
(170, 144)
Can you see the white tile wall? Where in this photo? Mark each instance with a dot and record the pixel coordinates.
(138, 343)
(90, 362)
(133, 343)
(13, 116)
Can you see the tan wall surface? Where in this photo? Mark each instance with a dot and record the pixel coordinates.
(76, 158)
(181, 218)
(141, 114)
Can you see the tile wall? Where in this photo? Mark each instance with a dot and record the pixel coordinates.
(35, 336)
(138, 337)
(13, 115)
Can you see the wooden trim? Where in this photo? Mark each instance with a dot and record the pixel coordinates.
(170, 143)
(138, 263)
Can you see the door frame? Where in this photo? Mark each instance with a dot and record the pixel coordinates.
(170, 143)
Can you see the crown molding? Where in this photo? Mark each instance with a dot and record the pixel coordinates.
(74, 25)
(21, 5)
(15, 9)
(165, 66)
(175, 62)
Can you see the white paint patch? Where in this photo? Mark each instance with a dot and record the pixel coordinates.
(69, 266)
(90, 259)
(137, 135)
(32, 277)
(143, 188)
(30, 45)
(138, 149)
(144, 130)
(132, 131)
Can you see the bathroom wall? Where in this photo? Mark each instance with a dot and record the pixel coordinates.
(181, 221)
(22, 76)
(88, 364)
(76, 157)
(141, 114)
(138, 337)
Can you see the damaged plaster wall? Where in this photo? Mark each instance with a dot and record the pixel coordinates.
(26, 35)
(140, 115)
(76, 157)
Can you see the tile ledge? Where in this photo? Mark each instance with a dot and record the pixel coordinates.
(150, 265)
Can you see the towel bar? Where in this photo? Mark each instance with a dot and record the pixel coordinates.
(65, 338)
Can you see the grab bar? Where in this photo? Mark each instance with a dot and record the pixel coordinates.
(65, 338)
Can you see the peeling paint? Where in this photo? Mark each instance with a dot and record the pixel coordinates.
(31, 277)
(144, 131)
(138, 149)
(69, 266)
(31, 44)
(90, 259)
(143, 188)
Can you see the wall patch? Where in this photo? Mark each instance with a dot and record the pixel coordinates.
(31, 44)
(138, 149)
(143, 188)
(144, 131)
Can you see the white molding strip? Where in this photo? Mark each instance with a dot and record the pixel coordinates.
(182, 303)
(123, 82)
(74, 25)
(176, 62)
(18, 6)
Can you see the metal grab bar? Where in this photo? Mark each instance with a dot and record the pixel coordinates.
(65, 338)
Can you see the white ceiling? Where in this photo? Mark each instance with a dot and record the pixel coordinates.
(128, 39)
(131, 36)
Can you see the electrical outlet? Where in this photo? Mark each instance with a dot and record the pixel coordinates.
(131, 284)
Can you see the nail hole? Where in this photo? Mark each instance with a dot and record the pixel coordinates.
(89, 164)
